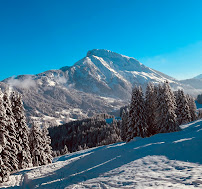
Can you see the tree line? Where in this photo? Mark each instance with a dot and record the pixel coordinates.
(20, 147)
(83, 134)
(160, 111)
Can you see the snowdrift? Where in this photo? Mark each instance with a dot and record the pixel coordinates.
(170, 160)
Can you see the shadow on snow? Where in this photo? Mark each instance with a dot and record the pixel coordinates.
(184, 145)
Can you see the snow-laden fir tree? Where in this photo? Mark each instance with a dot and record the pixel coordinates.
(11, 149)
(4, 145)
(4, 173)
(137, 121)
(192, 107)
(22, 131)
(199, 114)
(199, 99)
(124, 124)
(182, 111)
(47, 157)
(166, 119)
(115, 132)
(63, 151)
(151, 107)
(154, 129)
(36, 144)
(39, 143)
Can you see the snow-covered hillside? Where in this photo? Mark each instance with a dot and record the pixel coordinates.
(198, 77)
(100, 82)
(170, 160)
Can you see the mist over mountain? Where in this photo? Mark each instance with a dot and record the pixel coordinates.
(100, 82)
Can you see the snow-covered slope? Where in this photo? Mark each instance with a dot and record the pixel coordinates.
(170, 160)
(198, 77)
(100, 82)
(195, 82)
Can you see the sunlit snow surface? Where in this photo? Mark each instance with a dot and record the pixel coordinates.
(171, 160)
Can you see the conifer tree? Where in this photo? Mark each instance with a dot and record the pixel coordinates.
(199, 99)
(192, 107)
(22, 132)
(39, 143)
(115, 132)
(151, 107)
(154, 129)
(166, 120)
(137, 122)
(36, 145)
(11, 149)
(199, 114)
(182, 111)
(124, 124)
(4, 173)
(4, 145)
(64, 151)
(47, 157)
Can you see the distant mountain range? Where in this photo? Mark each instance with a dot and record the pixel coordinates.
(100, 82)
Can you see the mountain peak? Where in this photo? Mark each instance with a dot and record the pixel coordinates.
(104, 53)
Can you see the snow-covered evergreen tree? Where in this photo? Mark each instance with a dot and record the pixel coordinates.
(137, 121)
(199, 114)
(199, 99)
(9, 154)
(166, 119)
(39, 143)
(47, 157)
(192, 107)
(22, 132)
(4, 173)
(36, 144)
(63, 151)
(151, 107)
(154, 129)
(182, 111)
(4, 145)
(115, 132)
(124, 124)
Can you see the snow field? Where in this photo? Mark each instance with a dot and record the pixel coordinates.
(170, 160)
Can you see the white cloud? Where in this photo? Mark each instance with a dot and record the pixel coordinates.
(61, 80)
(25, 83)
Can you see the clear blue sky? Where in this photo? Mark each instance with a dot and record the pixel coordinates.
(39, 35)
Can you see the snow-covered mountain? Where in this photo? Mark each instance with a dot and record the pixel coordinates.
(169, 160)
(195, 82)
(198, 77)
(111, 74)
(100, 82)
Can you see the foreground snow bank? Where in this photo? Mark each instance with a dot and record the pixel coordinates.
(170, 160)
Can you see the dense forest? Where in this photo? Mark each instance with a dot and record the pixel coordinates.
(83, 134)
